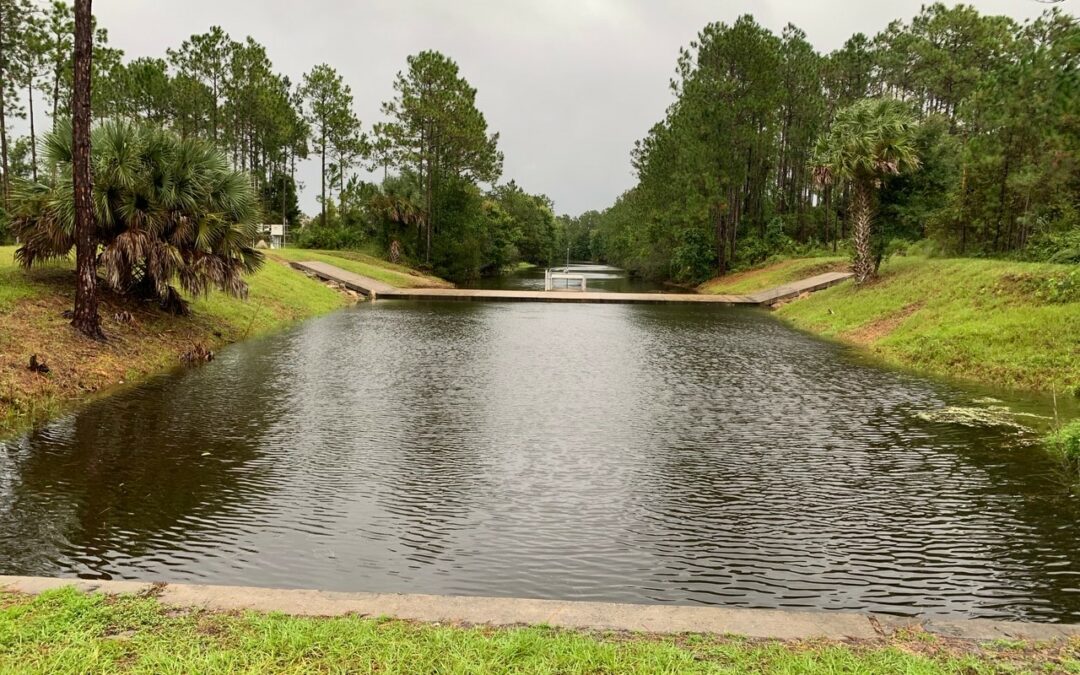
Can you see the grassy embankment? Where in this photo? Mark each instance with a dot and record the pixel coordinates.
(68, 632)
(774, 274)
(31, 322)
(999, 323)
(356, 262)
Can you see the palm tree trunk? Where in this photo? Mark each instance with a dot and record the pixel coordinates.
(86, 318)
(860, 232)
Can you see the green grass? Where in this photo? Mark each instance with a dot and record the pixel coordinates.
(1065, 442)
(31, 322)
(277, 295)
(357, 262)
(1000, 323)
(773, 274)
(16, 285)
(65, 631)
(981, 320)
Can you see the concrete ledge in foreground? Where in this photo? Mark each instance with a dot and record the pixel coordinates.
(757, 623)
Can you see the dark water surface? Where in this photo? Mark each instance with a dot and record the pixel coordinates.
(604, 452)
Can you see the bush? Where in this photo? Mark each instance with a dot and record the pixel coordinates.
(331, 237)
(1065, 442)
(5, 228)
(170, 213)
(1055, 247)
(926, 248)
(693, 259)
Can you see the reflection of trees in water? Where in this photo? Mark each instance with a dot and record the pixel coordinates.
(814, 485)
(138, 472)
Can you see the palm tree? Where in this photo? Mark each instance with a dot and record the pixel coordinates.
(166, 210)
(398, 202)
(868, 142)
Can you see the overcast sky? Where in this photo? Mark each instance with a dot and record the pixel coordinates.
(569, 84)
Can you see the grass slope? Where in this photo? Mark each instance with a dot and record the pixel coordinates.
(996, 322)
(68, 632)
(31, 304)
(356, 262)
(774, 274)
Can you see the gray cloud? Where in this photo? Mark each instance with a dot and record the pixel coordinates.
(569, 84)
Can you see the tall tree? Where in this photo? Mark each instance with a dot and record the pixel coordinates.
(868, 142)
(206, 58)
(437, 132)
(724, 178)
(86, 319)
(329, 113)
(60, 27)
(14, 18)
(35, 49)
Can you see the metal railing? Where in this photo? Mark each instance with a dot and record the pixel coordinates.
(550, 276)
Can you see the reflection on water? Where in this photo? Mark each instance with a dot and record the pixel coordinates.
(608, 452)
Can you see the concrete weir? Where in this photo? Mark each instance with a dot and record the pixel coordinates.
(377, 289)
(756, 623)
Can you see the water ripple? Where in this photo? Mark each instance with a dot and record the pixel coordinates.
(628, 453)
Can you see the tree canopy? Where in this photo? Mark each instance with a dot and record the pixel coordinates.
(726, 178)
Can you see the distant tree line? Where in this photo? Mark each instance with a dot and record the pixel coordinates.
(210, 87)
(727, 177)
(439, 203)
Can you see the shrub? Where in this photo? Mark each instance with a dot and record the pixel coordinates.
(927, 248)
(5, 228)
(1055, 247)
(1066, 443)
(331, 237)
(693, 259)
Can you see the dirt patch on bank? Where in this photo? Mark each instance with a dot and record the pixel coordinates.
(141, 339)
(870, 333)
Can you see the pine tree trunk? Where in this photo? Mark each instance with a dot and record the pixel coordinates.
(86, 318)
(3, 118)
(4, 149)
(860, 233)
(324, 176)
(829, 229)
(428, 218)
(33, 133)
(55, 91)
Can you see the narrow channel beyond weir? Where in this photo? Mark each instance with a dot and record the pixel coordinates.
(576, 615)
(375, 289)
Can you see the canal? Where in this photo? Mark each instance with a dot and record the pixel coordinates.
(605, 452)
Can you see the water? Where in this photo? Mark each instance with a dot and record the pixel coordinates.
(604, 452)
(598, 278)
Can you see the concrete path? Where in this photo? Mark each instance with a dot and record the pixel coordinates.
(377, 289)
(797, 288)
(354, 282)
(757, 623)
(562, 296)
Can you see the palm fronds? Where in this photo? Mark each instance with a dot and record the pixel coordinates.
(167, 211)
